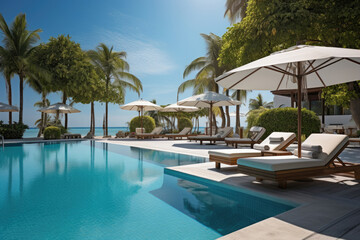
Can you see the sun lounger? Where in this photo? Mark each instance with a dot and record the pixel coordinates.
(183, 133)
(255, 134)
(155, 133)
(220, 136)
(275, 144)
(284, 168)
(71, 135)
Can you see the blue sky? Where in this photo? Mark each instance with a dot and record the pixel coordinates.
(160, 37)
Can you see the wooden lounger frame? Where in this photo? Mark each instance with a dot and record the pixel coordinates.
(142, 136)
(210, 139)
(235, 143)
(335, 165)
(233, 160)
(177, 136)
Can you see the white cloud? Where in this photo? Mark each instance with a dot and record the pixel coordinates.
(144, 57)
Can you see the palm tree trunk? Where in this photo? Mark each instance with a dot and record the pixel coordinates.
(41, 125)
(21, 87)
(227, 112)
(66, 115)
(8, 88)
(355, 103)
(223, 119)
(92, 120)
(106, 106)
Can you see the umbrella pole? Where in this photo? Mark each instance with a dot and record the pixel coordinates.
(299, 82)
(210, 114)
(142, 113)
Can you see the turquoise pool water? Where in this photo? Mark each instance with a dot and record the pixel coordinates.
(89, 190)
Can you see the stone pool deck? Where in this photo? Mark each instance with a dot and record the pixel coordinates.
(329, 207)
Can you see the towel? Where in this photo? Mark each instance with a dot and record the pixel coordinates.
(261, 147)
(307, 154)
(315, 148)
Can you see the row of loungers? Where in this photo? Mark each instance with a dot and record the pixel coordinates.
(320, 157)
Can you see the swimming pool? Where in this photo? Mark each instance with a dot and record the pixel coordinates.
(90, 190)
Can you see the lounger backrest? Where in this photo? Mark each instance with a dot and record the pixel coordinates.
(185, 131)
(288, 137)
(331, 144)
(224, 132)
(256, 133)
(156, 131)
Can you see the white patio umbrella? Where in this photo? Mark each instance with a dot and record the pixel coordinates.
(8, 108)
(298, 67)
(141, 106)
(209, 99)
(59, 108)
(178, 108)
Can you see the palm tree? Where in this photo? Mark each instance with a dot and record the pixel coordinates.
(235, 9)
(208, 69)
(19, 42)
(259, 102)
(7, 68)
(116, 71)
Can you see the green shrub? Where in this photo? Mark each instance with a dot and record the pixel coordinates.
(148, 123)
(253, 116)
(13, 131)
(52, 132)
(184, 122)
(285, 120)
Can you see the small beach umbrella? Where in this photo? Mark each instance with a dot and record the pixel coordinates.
(299, 67)
(141, 106)
(208, 100)
(178, 108)
(59, 108)
(8, 108)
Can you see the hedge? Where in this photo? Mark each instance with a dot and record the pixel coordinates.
(184, 122)
(148, 123)
(52, 132)
(285, 120)
(13, 131)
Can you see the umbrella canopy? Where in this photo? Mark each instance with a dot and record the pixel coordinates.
(177, 108)
(8, 108)
(209, 99)
(298, 67)
(59, 108)
(140, 105)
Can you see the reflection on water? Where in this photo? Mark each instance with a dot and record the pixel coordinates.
(220, 209)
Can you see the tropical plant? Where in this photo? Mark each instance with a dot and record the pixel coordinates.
(259, 102)
(207, 68)
(42, 122)
(115, 69)
(145, 121)
(52, 132)
(19, 43)
(13, 131)
(235, 10)
(252, 117)
(184, 122)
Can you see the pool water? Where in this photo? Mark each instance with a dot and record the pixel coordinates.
(90, 190)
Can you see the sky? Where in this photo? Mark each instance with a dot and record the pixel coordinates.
(161, 37)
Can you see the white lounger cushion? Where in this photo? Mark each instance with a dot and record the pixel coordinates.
(330, 143)
(236, 153)
(278, 163)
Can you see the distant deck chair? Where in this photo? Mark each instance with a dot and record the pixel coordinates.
(276, 141)
(155, 133)
(183, 133)
(255, 134)
(220, 136)
(284, 168)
